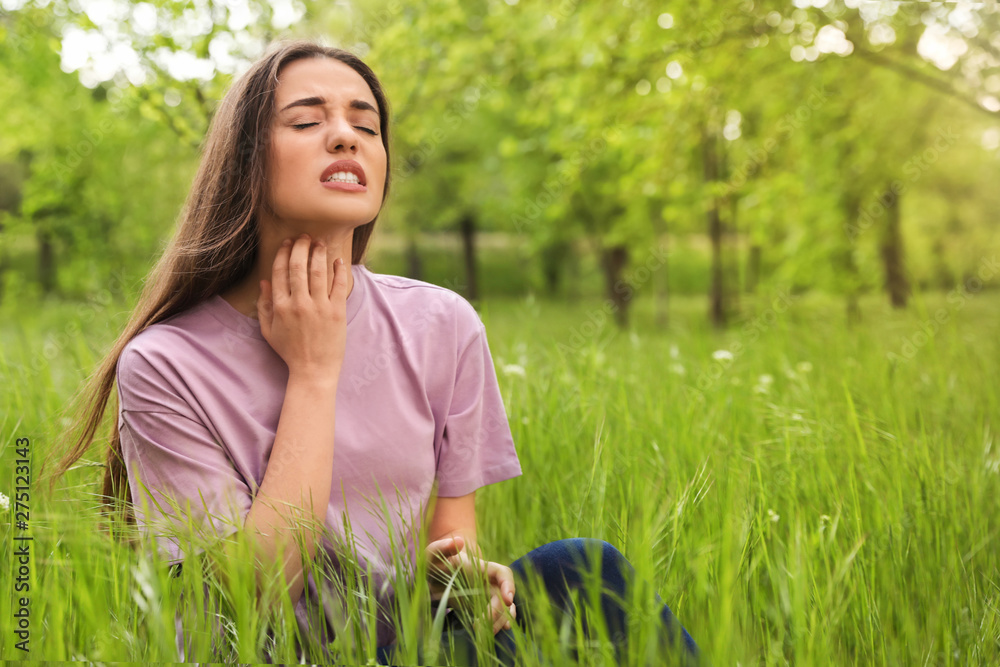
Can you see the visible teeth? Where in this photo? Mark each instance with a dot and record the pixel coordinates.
(344, 177)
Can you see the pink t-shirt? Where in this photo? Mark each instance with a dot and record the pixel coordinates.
(417, 404)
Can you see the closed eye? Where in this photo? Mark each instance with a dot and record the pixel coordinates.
(303, 126)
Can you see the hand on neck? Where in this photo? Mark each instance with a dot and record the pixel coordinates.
(339, 243)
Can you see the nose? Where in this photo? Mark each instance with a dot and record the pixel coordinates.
(341, 136)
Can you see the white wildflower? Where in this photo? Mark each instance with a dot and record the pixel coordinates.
(677, 369)
(763, 385)
(675, 352)
(4, 502)
(513, 369)
(773, 516)
(803, 367)
(722, 355)
(633, 338)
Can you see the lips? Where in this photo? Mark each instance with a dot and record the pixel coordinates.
(345, 165)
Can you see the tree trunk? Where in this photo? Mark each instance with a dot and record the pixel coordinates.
(896, 283)
(753, 268)
(467, 225)
(943, 279)
(573, 274)
(414, 265)
(614, 260)
(731, 274)
(716, 297)
(662, 318)
(553, 260)
(846, 262)
(4, 262)
(46, 261)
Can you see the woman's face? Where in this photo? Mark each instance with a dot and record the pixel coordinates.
(324, 114)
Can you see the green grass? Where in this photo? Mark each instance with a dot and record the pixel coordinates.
(843, 513)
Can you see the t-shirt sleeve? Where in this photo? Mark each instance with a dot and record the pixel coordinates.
(185, 491)
(476, 447)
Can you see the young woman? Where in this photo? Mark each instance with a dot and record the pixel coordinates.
(267, 379)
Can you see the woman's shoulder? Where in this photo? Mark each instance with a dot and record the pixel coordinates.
(179, 336)
(423, 300)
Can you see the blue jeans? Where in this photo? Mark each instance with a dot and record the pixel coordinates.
(561, 566)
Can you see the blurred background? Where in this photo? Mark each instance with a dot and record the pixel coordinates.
(737, 260)
(565, 150)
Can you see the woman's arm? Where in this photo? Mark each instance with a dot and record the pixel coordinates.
(452, 544)
(295, 491)
(453, 517)
(304, 320)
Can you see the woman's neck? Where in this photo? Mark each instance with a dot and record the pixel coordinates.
(243, 296)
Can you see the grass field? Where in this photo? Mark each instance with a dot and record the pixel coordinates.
(799, 491)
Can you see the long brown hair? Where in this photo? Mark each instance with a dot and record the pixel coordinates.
(216, 242)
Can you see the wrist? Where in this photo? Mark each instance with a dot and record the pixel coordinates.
(315, 379)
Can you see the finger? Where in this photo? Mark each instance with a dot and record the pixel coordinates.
(507, 590)
(441, 554)
(443, 548)
(265, 308)
(513, 614)
(298, 264)
(279, 271)
(448, 546)
(317, 270)
(503, 577)
(340, 280)
(496, 612)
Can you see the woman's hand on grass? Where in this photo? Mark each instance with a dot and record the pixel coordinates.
(448, 555)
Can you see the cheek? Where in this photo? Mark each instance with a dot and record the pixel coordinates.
(382, 168)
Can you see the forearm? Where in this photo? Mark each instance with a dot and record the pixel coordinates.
(295, 492)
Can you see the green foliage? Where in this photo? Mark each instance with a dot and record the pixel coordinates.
(575, 125)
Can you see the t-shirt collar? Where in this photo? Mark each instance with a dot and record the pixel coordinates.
(250, 327)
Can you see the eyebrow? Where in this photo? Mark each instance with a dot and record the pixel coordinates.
(361, 105)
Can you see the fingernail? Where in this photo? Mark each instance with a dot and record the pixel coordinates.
(286, 243)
